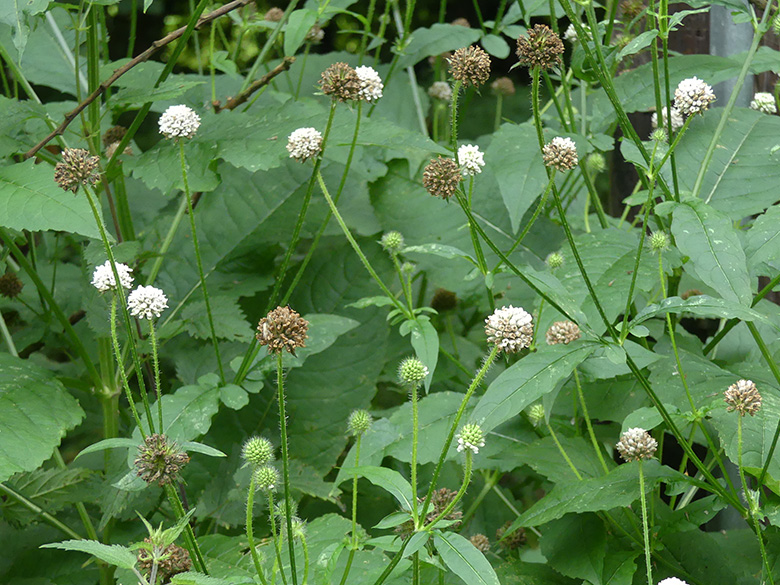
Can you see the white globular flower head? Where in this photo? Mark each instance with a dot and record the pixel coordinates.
(471, 437)
(440, 90)
(693, 96)
(412, 372)
(304, 143)
(103, 276)
(560, 153)
(672, 581)
(179, 122)
(510, 329)
(676, 116)
(371, 85)
(636, 444)
(471, 160)
(764, 102)
(147, 302)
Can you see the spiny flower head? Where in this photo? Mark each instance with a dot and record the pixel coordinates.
(103, 276)
(471, 437)
(257, 451)
(304, 143)
(160, 460)
(743, 396)
(693, 96)
(658, 241)
(179, 122)
(541, 46)
(341, 82)
(147, 302)
(371, 85)
(636, 444)
(266, 478)
(440, 90)
(76, 168)
(510, 328)
(282, 329)
(470, 66)
(554, 260)
(411, 372)
(596, 163)
(503, 86)
(764, 102)
(441, 177)
(677, 119)
(562, 332)
(392, 241)
(536, 414)
(560, 153)
(359, 422)
(480, 542)
(10, 285)
(171, 561)
(471, 160)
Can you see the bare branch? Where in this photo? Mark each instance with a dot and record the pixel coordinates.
(233, 102)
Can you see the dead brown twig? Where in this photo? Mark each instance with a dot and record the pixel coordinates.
(153, 48)
(233, 102)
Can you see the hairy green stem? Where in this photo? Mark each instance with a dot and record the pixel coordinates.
(588, 422)
(250, 537)
(459, 495)
(122, 373)
(189, 535)
(156, 364)
(285, 465)
(645, 531)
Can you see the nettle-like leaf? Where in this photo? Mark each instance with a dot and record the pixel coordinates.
(463, 559)
(439, 38)
(50, 489)
(115, 554)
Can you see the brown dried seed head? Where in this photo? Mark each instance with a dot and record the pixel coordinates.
(160, 460)
(76, 168)
(444, 300)
(514, 540)
(470, 65)
(541, 46)
(631, 8)
(114, 134)
(480, 542)
(461, 22)
(282, 329)
(10, 285)
(503, 86)
(560, 153)
(274, 14)
(562, 332)
(341, 82)
(743, 397)
(175, 560)
(441, 177)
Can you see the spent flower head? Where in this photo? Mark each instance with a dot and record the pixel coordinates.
(562, 332)
(440, 90)
(411, 372)
(76, 168)
(743, 396)
(515, 540)
(693, 96)
(282, 329)
(257, 451)
(503, 86)
(179, 122)
(304, 143)
(392, 241)
(441, 177)
(170, 560)
(676, 118)
(341, 82)
(636, 444)
(510, 329)
(359, 422)
(371, 85)
(471, 160)
(540, 47)
(471, 437)
(266, 478)
(113, 135)
(444, 300)
(103, 276)
(470, 66)
(10, 285)
(480, 542)
(315, 35)
(274, 14)
(764, 102)
(160, 460)
(147, 302)
(560, 153)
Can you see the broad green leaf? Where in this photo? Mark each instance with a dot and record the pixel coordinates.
(417, 541)
(637, 44)
(528, 380)
(194, 447)
(762, 242)
(229, 320)
(388, 479)
(17, 14)
(425, 341)
(709, 239)
(114, 443)
(298, 25)
(50, 489)
(701, 306)
(195, 578)
(575, 546)
(31, 200)
(463, 559)
(117, 555)
(496, 46)
(438, 39)
(35, 413)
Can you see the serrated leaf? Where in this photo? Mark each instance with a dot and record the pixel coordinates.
(701, 306)
(229, 320)
(463, 559)
(298, 25)
(435, 40)
(50, 489)
(117, 555)
(576, 546)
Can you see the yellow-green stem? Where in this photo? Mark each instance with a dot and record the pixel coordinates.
(285, 466)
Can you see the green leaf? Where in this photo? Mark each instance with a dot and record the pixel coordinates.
(425, 341)
(701, 306)
(576, 546)
(463, 559)
(31, 200)
(388, 479)
(229, 320)
(194, 447)
(117, 555)
(709, 239)
(50, 489)
(114, 443)
(298, 25)
(35, 413)
(637, 44)
(496, 46)
(762, 242)
(438, 39)
(417, 541)
(17, 15)
(195, 578)
(528, 380)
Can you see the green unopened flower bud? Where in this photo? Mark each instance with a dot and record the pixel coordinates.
(412, 372)
(471, 437)
(658, 135)
(258, 451)
(596, 163)
(392, 241)
(536, 414)
(359, 422)
(408, 268)
(659, 241)
(554, 260)
(281, 507)
(776, 24)
(266, 478)
(298, 528)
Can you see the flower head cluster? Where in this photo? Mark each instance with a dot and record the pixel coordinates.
(147, 302)
(315, 35)
(103, 276)
(112, 138)
(412, 372)
(359, 422)
(676, 118)
(658, 241)
(480, 542)
(562, 332)
(341, 82)
(76, 168)
(540, 47)
(743, 396)
(179, 122)
(392, 241)
(503, 86)
(560, 153)
(515, 540)
(266, 478)
(470, 66)
(471, 160)
(554, 260)
(10, 285)
(571, 33)
(257, 451)
(471, 437)
(282, 329)
(440, 90)
(764, 102)
(440, 499)
(160, 460)
(636, 444)
(371, 85)
(693, 96)
(304, 143)
(510, 328)
(441, 177)
(274, 14)
(444, 300)
(596, 163)
(171, 561)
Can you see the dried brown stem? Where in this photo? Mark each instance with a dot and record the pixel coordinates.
(233, 102)
(153, 48)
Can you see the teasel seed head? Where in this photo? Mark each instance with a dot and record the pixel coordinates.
(160, 460)
(411, 372)
(471, 437)
(341, 82)
(258, 451)
(636, 444)
(540, 47)
(392, 241)
(359, 422)
(470, 66)
(77, 168)
(282, 329)
(266, 478)
(441, 177)
(743, 396)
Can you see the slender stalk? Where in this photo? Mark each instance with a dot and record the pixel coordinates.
(588, 422)
(196, 247)
(9, 341)
(285, 466)
(35, 509)
(645, 531)
(499, 105)
(276, 538)
(459, 495)
(305, 548)
(122, 373)
(189, 535)
(133, 28)
(415, 428)
(562, 451)
(250, 505)
(166, 243)
(156, 364)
